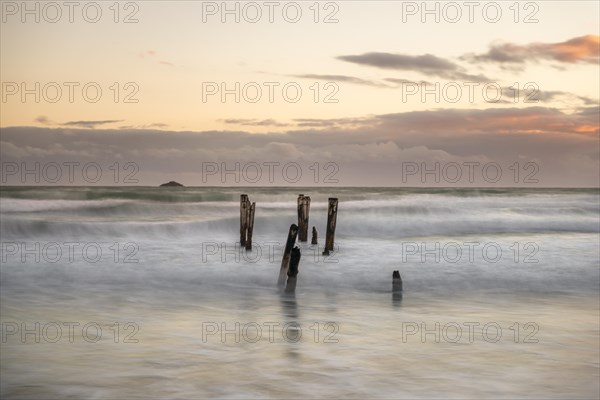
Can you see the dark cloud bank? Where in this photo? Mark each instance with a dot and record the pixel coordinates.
(369, 151)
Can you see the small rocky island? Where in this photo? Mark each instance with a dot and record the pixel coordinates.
(172, 183)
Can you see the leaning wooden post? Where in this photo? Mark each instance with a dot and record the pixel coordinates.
(250, 226)
(314, 236)
(285, 262)
(331, 221)
(396, 282)
(292, 273)
(243, 218)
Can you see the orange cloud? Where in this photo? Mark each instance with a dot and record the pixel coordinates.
(496, 121)
(579, 49)
(584, 48)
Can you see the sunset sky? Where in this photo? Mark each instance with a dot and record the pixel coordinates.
(370, 69)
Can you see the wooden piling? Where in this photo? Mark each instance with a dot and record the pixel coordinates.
(331, 222)
(300, 219)
(314, 236)
(292, 273)
(303, 211)
(396, 282)
(243, 218)
(250, 226)
(285, 262)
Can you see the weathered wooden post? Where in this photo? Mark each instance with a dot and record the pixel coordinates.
(396, 282)
(243, 218)
(331, 221)
(285, 262)
(292, 273)
(314, 236)
(303, 211)
(396, 288)
(300, 219)
(250, 226)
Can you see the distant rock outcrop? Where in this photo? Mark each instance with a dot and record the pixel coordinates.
(172, 183)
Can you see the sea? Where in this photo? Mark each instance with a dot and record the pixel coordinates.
(145, 292)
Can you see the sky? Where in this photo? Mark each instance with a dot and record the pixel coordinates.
(368, 93)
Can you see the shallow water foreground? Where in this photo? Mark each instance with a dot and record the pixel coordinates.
(336, 345)
(185, 319)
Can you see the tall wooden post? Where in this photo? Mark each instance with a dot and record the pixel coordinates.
(331, 222)
(285, 262)
(243, 219)
(299, 205)
(303, 211)
(250, 226)
(292, 273)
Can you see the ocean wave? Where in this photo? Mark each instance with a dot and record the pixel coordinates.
(390, 213)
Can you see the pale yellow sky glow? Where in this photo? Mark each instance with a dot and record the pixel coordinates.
(170, 55)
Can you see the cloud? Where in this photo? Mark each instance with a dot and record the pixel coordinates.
(253, 122)
(529, 95)
(368, 150)
(152, 54)
(427, 64)
(158, 125)
(91, 124)
(496, 121)
(386, 83)
(588, 101)
(584, 49)
(145, 53)
(301, 122)
(287, 150)
(42, 119)
(343, 78)
(400, 81)
(491, 121)
(332, 122)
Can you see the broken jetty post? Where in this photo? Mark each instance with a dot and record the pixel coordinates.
(250, 226)
(285, 262)
(331, 222)
(246, 221)
(396, 282)
(292, 273)
(314, 236)
(243, 218)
